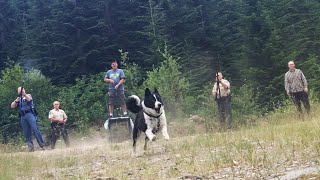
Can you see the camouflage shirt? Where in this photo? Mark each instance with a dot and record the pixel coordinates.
(295, 81)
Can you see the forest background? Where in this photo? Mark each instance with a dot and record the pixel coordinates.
(61, 49)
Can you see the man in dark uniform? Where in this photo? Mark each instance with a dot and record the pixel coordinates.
(28, 118)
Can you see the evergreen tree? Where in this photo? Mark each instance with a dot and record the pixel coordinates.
(9, 32)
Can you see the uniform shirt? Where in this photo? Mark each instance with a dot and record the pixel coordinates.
(57, 114)
(223, 91)
(25, 106)
(116, 76)
(295, 81)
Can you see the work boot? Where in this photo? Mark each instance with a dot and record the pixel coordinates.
(30, 149)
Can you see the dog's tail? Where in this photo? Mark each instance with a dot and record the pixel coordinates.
(133, 104)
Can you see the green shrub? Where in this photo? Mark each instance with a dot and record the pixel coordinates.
(11, 78)
(133, 73)
(171, 84)
(311, 69)
(37, 85)
(244, 107)
(43, 94)
(84, 102)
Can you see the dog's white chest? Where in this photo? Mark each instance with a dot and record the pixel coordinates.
(152, 122)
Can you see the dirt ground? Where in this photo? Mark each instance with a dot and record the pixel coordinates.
(95, 157)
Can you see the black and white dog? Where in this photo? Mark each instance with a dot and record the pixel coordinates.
(150, 116)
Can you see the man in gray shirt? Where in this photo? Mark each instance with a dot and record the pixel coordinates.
(115, 78)
(297, 87)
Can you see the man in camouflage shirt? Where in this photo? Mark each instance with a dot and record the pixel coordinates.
(297, 87)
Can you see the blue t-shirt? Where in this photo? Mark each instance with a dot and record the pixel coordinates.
(116, 76)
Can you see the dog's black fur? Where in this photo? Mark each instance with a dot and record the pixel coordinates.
(150, 116)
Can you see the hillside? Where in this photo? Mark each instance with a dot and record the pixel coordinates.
(279, 146)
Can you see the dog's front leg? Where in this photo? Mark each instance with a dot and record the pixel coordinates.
(149, 134)
(164, 130)
(146, 143)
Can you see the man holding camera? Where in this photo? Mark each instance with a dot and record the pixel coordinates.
(28, 119)
(221, 91)
(58, 118)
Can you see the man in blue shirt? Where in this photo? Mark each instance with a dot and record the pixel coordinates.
(27, 118)
(115, 78)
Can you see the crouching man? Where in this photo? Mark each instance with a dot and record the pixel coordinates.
(58, 119)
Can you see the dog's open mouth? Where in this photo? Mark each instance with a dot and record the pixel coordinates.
(157, 110)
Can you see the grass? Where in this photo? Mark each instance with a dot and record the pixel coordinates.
(278, 143)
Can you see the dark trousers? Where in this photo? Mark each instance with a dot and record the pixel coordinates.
(57, 130)
(224, 110)
(299, 97)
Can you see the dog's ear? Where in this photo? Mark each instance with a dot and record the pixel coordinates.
(147, 92)
(156, 90)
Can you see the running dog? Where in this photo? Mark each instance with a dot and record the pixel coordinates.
(150, 116)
